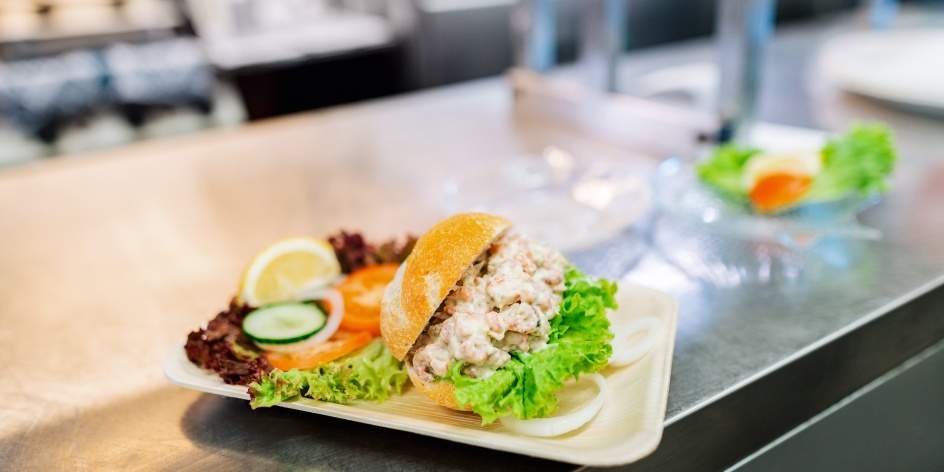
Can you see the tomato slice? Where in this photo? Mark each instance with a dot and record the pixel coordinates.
(339, 345)
(779, 190)
(362, 292)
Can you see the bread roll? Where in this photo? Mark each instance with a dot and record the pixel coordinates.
(426, 278)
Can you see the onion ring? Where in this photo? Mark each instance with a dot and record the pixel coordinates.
(624, 354)
(336, 302)
(557, 425)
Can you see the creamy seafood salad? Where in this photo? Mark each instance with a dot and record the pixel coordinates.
(500, 305)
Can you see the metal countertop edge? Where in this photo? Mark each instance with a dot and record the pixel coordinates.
(885, 309)
(862, 392)
(746, 407)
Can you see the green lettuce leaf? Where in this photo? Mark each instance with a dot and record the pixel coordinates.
(370, 373)
(579, 343)
(858, 162)
(724, 170)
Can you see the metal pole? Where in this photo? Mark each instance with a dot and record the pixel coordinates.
(535, 32)
(743, 30)
(602, 30)
(882, 13)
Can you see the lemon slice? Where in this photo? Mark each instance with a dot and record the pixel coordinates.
(287, 269)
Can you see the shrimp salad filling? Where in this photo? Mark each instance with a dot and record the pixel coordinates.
(501, 305)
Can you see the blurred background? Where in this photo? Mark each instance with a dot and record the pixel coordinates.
(80, 75)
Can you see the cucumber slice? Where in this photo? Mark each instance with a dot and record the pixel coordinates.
(284, 323)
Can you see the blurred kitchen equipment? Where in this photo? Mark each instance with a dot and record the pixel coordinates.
(591, 104)
(743, 30)
(39, 94)
(882, 13)
(42, 95)
(252, 33)
(31, 29)
(158, 74)
(533, 22)
(287, 56)
(602, 28)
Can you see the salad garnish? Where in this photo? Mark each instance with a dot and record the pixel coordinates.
(354, 252)
(857, 163)
(224, 348)
(287, 333)
(562, 423)
(370, 373)
(363, 291)
(339, 345)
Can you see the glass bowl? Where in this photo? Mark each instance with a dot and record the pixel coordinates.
(728, 243)
(572, 204)
(681, 195)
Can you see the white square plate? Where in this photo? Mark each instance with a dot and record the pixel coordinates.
(628, 428)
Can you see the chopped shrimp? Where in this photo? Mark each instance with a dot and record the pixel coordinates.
(521, 317)
(501, 304)
(496, 324)
(515, 341)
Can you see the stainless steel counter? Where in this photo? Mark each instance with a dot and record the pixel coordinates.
(761, 358)
(107, 262)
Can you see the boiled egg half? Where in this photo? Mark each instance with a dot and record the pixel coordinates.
(777, 181)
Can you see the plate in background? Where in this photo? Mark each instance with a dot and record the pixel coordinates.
(902, 67)
(628, 428)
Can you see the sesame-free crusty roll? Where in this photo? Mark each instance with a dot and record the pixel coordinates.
(470, 293)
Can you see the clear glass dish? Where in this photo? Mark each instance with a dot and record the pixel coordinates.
(728, 243)
(570, 203)
(680, 194)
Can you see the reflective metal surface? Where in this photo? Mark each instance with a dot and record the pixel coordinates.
(106, 262)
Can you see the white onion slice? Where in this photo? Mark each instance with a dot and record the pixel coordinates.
(333, 297)
(625, 353)
(557, 425)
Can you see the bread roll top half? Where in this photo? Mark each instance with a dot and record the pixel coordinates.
(431, 272)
